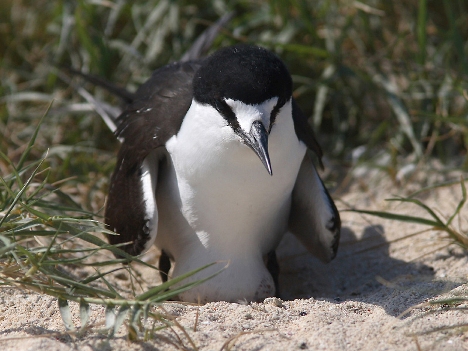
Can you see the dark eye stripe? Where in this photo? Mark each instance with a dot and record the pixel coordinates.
(225, 110)
(274, 113)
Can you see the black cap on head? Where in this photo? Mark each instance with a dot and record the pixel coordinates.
(246, 73)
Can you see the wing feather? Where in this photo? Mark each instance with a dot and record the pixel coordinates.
(314, 219)
(145, 126)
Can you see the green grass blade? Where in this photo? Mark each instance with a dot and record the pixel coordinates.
(435, 186)
(31, 142)
(111, 288)
(99, 275)
(148, 295)
(20, 193)
(76, 287)
(398, 217)
(422, 205)
(456, 37)
(460, 204)
(421, 30)
(8, 245)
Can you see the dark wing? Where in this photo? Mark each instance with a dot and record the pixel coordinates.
(314, 219)
(304, 131)
(146, 125)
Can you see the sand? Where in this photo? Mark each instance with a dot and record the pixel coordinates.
(354, 303)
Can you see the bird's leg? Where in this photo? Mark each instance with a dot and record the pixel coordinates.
(274, 269)
(164, 266)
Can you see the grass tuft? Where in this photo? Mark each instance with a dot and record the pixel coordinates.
(44, 241)
(385, 78)
(435, 221)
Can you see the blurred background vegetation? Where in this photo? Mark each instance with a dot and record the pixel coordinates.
(385, 84)
(379, 79)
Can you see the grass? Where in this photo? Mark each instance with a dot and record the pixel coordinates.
(452, 234)
(46, 237)
(389, 78)
(435, 222)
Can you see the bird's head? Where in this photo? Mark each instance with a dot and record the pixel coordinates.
(248, 86)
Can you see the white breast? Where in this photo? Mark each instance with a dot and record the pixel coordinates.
(217, 202)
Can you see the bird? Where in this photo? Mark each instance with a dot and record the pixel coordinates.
(217, 163)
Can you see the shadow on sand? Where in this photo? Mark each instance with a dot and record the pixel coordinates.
(362, 271)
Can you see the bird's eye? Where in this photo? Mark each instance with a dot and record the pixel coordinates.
(224, 109)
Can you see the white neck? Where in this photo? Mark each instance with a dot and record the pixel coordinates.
(227, 206)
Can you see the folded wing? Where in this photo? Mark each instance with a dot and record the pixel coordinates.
(144, 128)
(314, 219)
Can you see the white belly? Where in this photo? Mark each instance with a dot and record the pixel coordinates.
(217, 202)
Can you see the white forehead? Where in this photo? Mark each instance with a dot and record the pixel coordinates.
(247, 114)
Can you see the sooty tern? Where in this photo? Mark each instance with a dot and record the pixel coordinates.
(216, 163)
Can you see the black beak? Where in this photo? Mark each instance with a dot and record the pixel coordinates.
(257, 139)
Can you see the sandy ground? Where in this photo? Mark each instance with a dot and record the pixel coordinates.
(354, 303)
